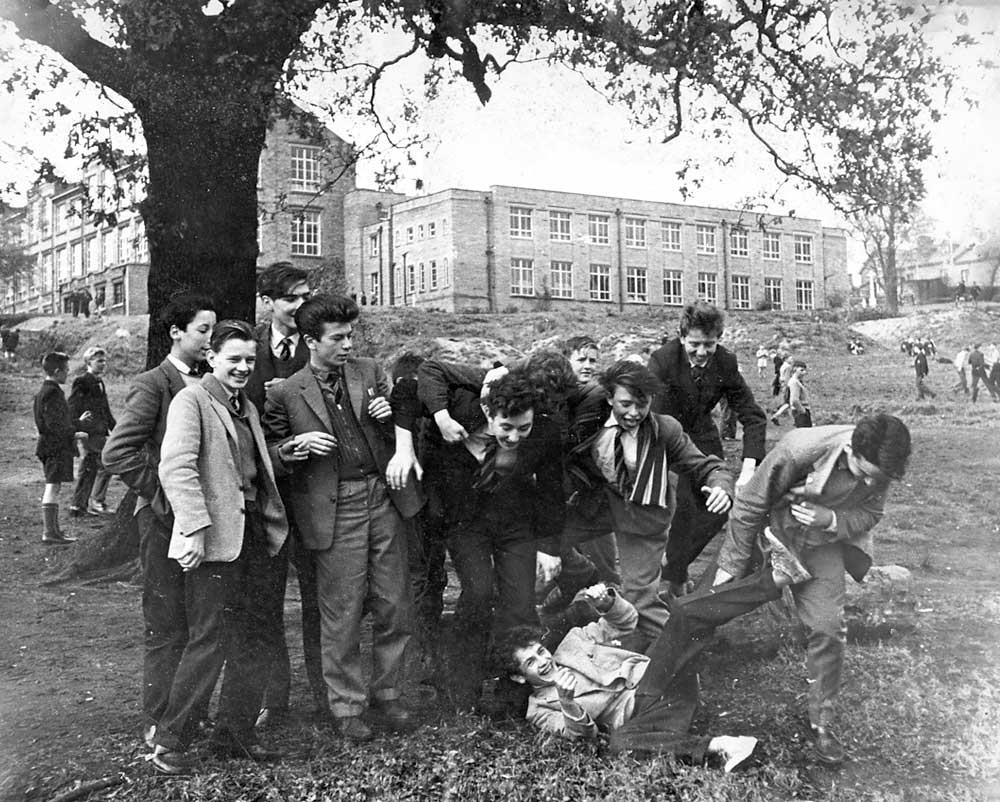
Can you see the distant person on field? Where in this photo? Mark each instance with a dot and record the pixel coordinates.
(229, 523)
(591, 685)
(798, 398)
(922, 370)
(57, 438)
(10, 338)
(88, 395)
(960, 361)
(992, 355)
(977, 364)
(762, 361)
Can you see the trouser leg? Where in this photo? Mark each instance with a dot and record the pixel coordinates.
(640, 567)
(691, 529)
(304, 561)
(279, 672)
(85, 479)
(99, 491)
(820, 605)
(164, 614)
(602, 551)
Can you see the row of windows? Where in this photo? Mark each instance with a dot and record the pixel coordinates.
(420, 277)
(636, 234)
(522, 283)
(420, 231)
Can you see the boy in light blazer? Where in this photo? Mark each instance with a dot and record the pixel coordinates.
(229, 523)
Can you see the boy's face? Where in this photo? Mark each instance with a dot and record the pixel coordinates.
(333, 348)
(584, 364)
(191, 345)
(233, 363)
(510, 430)
(284, 307)
(59, 375)
(536, 665)
(700, 345)
(627, 409)
(868, 472)
(98, 364)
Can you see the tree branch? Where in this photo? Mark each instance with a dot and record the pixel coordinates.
(53, 26)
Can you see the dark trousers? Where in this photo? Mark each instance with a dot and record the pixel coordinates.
(803, 420)
(691, 529)
(496, 568)
(227, 614)
(979, 375)
(279, 680)
(425, 556)
(922, 389)
(163, 613)
(667, 695)
(91, 477)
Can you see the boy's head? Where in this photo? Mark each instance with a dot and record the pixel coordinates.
(96, 359)
(510, 405)
(629, 388)
(406, 366)
(189, 318)
(582, 353)
(283, 288)
(798, 367)
(326, 322)
(880, 448)
(701, 328)
(233, 353)
(55, 365)
(552, 375)
(520, 653)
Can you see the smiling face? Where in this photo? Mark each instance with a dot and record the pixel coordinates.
(98, 364)
(627, 409)
(284, 307)
(584, 364)
(510, 430)
(700, 345)
(331, 350)
(191, 345)
(233, 363)
(536, 665)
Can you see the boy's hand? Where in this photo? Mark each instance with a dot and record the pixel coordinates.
(194, 554)
(716, 500)
(600, 597)
(565, 682)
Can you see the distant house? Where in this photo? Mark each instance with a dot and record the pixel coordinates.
(936, 276)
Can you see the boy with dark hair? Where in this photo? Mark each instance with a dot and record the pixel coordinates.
(133, 452)
(817, 494)
(697, 373)
(335, 414)
(629, 455)
(88, 395)
(57, 436)
(229, 523)
(590, 684)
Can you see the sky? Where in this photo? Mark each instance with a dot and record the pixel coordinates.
(544, 127)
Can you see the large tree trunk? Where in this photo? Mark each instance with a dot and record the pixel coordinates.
(201, 207)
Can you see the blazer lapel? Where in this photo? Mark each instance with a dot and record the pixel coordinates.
(355, 387)
(225, 416)
(313, 396)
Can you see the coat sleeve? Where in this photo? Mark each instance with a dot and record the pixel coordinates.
(125, 453)
(79, 402)
(548, 716)
(685, 457)
(752, 418)
(550, 504)
(277, 426)
(53, 419)
(657, 366)
(437, 380)
(615, 624)
(179, 471)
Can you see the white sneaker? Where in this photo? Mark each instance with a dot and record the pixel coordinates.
(733, 749)
(96, 507)
(149, 736)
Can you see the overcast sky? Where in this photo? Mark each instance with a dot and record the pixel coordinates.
(545, 128)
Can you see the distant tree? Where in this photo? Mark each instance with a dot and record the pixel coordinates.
(15, 263)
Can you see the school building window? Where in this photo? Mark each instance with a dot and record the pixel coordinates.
(434, 274)
(522, 277)
(670, 233)
(673, 288)
(598, 229)
(741, 292)
(561, 279)
(445, 274)
(600, 282)
(411, 278)
(705, 239)
(739, 242)
(376, 288)
(803, 248)
(423, 278)
(420, 231)
(560, 226)
(306, 161)
(772, 246)
(520, 222)
(118, 293)
(431, 229)
(636, 285)
(708, 287)
(409, 233)
(772, 292)
(635, 232)
(373, 244)
(804, 295)
(305, 233)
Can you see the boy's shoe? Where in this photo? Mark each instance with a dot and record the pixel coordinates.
(733, 750)
(149, 736)
(352, 728)
(75, 512)
(828, 747)
(96, 508)
(58, 539)
(173, 762)
(786, 567)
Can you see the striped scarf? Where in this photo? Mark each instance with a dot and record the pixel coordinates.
(652, 483)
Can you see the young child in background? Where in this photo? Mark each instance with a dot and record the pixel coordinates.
(57, 438)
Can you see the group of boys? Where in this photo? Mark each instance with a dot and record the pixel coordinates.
(293, 447)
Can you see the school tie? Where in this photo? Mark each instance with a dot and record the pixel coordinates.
(234, 402)
(335, 387)
(488, 477)
(698, 373)
(621, 470)
(285, 350)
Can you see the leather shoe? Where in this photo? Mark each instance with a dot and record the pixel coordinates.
(170, 761)
(58, 540)
(251, 751)
(352, 728)
(394, 715)
(828, 747)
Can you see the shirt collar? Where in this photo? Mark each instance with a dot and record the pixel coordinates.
(182, 366)
(277, 337)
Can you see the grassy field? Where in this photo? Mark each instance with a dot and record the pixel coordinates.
(921, 710)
